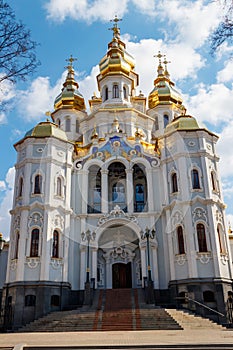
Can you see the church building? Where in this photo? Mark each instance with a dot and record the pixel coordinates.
(123, 194)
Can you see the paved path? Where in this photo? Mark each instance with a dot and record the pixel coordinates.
(118, 338)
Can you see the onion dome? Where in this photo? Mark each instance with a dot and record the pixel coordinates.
(70, 97)
(183, 122)
(164, 91)
(46, 129)
(117, 60)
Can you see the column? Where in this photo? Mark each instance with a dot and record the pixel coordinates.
(104, 194)
(82, 266)
(170, 245)
(150, 199)
(108, 275)
(129, 190)
(155, 273)
(143, 262)
(94, 251)
(84, 190)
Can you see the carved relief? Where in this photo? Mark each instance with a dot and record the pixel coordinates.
(32, 262)
(199, 214)
(118, 213)
(35, 219)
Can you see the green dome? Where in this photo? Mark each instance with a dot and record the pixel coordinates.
(183, 122)
(47, 129)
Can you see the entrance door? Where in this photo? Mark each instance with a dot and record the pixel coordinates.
(121, 275)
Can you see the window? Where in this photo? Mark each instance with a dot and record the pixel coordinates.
(30, 300)
(156, 123)
(38, 184)
(68, 124)
(140, 188)
(58, 122)
(116, 185)
(34, 252)
(180, 239)
(115, 91)
(124, 92)
(221, 239)
(201, 237)
(195, 179)
(77, 126)
(55, 248)
(20, 187)
(59, 187)
(16, 250)
(105, 94)
(94, 190)
(165, 120)
(208, 296)
(55, 300)
(174, 183)
(213, 181)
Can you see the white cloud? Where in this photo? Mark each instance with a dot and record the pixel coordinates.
(224, 147)
(212, 103)
(226, 74)
(2, 185)
(39, 98)
(6, 203)
(193, 20)
(89, 11)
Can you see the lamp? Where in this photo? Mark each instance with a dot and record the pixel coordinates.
(88, 236)
(149, 233)
(2, 242)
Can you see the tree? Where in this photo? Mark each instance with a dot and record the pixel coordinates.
(224, 32)
(17, 50)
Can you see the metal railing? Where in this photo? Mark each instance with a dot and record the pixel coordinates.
(202, 305)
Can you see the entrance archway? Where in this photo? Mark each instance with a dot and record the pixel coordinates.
(121, 275)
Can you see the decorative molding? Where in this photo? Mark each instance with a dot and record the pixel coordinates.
(16, 223)
(58, 221)
(180, 259)
(177, 218)
(32, 262)
(35, 219)
(56, 263)
(13, 264)
(224, 258)
(199, 214)
(204, 257)
(116, 213)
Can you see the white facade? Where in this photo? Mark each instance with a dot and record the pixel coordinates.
(109, 176)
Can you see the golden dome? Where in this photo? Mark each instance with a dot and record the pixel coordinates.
(183, 122)
(164, 91)
(47, 129)
(117, 60)
(70, 97)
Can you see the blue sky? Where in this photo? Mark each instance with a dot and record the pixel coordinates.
(179, 28)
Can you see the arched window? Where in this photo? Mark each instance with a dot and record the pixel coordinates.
(38, 184)
(68, 124)
(77, 125)
(94, 190)
(106, 93)
(140, 188)
(30, 300)
(16, 248)
(208, 296)
(165, 120)
(174, 183)
(58, 122)
(115, 91)
(34, 252)
(201, 237)
(180, 240)
(20, 187)
(195, 179)
(117, 184)
(55, 300)
(156, 123)
(221, 239)
(59, 187)
(55, 248)
(124, 92)
(213, 181)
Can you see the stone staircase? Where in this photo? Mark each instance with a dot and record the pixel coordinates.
(117, 310)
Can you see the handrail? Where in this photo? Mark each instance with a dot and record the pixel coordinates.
(203, 305)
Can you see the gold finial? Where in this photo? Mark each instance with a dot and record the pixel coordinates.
(229, 229)
(165, 62)
(48, 113)
(159, 56)
(70, 60)
(115, 28)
